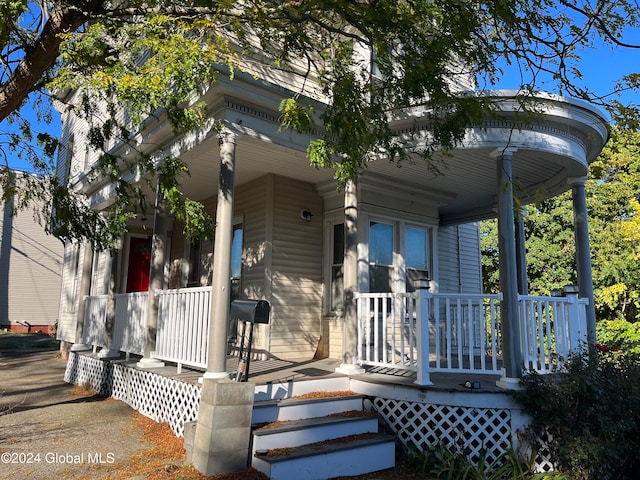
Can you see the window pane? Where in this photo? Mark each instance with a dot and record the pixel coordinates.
(416, 249)
(338, 243)
(337, 287)
(381, 244)
(379, 279)
(236, 251)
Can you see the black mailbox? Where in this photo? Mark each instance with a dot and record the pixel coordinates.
(251, 311)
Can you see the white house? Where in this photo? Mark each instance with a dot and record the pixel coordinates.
(342, 270)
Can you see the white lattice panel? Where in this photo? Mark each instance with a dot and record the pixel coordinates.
(162, 399)
(89, 372)
(470, 430)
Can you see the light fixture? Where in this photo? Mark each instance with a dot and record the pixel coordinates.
(306, 214)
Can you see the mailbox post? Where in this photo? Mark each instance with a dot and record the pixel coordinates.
(249, 312)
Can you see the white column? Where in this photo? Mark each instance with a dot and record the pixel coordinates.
(156, 278)
(350, 326)
(110, 314)
(521, 254)
(583, 252)
(221, 276)
(85, 290)
(509, 312)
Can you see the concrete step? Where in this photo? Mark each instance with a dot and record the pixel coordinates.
(298, 408)
(353, 455)
(300, 432)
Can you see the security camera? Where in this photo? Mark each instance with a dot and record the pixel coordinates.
(306, 214)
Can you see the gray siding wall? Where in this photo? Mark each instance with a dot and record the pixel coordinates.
(31, 267)
(459, 265)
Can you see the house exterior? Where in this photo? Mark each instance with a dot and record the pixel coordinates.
(383, 273)
(30, 261)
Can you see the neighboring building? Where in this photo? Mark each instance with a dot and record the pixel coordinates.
(30, 273)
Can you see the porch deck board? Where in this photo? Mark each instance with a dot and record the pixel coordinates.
(276, 370)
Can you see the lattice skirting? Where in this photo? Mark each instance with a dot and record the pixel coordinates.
(162, 399)
(461, 429)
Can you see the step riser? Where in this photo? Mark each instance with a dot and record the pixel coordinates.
(297, 411)
(351, 461)
(313, 433)
(280, 390)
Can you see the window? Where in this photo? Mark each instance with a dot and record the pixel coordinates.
(416, 257)
(337, 267)
(193, 276)
(236, 262)
(381, 247)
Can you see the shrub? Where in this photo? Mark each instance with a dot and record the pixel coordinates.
(589, 415)
(620, 335)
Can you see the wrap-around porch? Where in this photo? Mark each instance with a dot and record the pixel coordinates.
(419, 333)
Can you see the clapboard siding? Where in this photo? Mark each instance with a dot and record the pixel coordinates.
(470, 258)
(250, 204)
(297, 270)
(31, 265)
(459, 264)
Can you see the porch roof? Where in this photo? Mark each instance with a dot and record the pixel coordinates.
(552, 147)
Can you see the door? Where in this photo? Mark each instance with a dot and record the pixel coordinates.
(139, 264)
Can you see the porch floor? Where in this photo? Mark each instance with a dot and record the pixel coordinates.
(275, 370)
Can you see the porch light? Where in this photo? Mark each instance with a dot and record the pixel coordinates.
(571, 289)
(306, 214)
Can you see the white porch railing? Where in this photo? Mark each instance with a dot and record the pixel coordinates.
(461, 333)
(129, 330)
(93, 330)
(183, 326)
(551, 329)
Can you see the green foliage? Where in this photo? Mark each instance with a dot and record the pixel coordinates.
(589, 417)
(613, 190)
(444, 463)
(619, 335)
(361, 64)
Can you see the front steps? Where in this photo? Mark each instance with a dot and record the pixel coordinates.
(319, 438)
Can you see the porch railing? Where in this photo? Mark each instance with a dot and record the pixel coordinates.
(129, 330)
(551, 329)
(183, 326)
(461, 333)
(93, 331)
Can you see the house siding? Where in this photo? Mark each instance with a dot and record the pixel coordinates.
(297, 270)
(31, 264)
(459, 265)
(250, 204)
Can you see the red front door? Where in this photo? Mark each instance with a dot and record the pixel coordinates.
(139, 264)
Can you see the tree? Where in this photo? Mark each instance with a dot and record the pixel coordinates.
(371, 58)
(613, 191)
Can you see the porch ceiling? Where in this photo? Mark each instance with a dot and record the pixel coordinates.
(547, 152)
(467, 177)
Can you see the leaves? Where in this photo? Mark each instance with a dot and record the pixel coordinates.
(352, 70)
(613, 190)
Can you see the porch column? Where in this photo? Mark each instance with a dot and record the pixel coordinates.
(221, 275)
(521, 254)
(110, 314)
(225, 406)
(350, 277)
(85, 290)
(583, 252)
(156, 277)
(509, 312)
